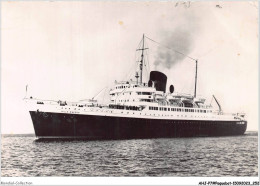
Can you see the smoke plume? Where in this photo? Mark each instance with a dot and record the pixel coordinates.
(181, 39)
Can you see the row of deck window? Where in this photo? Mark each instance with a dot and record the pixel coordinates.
(124, 107)
(126, 100)
(144, 93)
(141, 100)
(179, 109)
(138, 93)
(124, 86)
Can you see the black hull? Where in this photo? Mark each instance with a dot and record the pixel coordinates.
(59, 125)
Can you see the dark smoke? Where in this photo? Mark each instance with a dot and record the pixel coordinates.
(180, 39)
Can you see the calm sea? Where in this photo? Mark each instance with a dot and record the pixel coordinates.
(211, 156)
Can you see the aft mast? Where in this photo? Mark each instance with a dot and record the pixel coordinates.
(196, 79)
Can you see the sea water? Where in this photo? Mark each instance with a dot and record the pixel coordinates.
(205, 156)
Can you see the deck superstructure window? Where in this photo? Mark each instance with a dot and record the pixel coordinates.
(153, 108)
(144, 93)
(145, 100)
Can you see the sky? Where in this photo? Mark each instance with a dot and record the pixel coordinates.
(70, 50)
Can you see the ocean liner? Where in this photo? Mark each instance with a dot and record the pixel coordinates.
(136, 110)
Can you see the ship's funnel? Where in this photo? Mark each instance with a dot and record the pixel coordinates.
(159, 79)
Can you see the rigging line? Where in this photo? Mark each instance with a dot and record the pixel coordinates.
(170, 48)
(209, 51)
(104, 96)
(147, 73)
(127, 76)
(133, 65)
(148, 68)
(139, 44)
(98, 93)
(211, 101)
(130, 72)
(144, 62)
